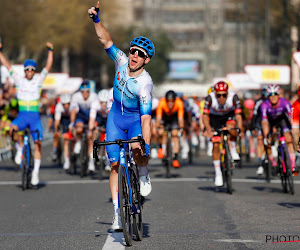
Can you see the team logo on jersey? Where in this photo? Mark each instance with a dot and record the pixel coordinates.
(143, 100)
(118, 78)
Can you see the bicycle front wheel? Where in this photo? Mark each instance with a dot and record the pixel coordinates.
(283, 176)
(137, 209)
(125, 206)
(267, 168)
(227, 160)
(289, 175)
(25, 170)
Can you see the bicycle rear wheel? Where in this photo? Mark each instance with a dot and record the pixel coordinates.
(125, 206)
(227, 160)
(137, 206)
(289, 175)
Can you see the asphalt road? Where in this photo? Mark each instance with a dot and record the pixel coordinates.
(183, 212)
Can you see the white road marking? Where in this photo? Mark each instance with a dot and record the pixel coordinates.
(238, 241)
(113, 241)
(63, 182)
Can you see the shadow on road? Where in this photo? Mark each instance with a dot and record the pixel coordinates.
(268, 189)
(289, 205)
(214, 189)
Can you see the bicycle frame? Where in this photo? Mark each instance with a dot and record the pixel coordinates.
(123, 160)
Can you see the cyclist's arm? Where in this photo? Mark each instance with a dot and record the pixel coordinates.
(73, 114)
(264, 122)
(295, 115)
(206, 111)
(238, 112)
(146, 128)
(3, 60)
(181, 114)
(50, 57)
(101, 31)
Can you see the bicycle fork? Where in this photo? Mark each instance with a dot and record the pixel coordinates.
(282, 142)
(123, 163)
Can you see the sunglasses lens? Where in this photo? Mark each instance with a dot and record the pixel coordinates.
(139, 52)
(221, 95)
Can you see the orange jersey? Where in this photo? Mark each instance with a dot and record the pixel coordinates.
(295, 114)
(164, 109)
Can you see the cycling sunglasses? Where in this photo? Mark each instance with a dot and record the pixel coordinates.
(221, 95)
(139, 52)
(273, 93)
(29, 68)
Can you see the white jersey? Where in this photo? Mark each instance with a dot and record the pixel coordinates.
(110, 98)
(29, 91)
(59, 110)
(212, 106)
(87, 107)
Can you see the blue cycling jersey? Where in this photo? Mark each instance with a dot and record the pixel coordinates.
(132, 95)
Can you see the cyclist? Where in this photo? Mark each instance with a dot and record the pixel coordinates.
(28, 94)
(101, 118)
(295, 120)
(275, 112)
(130, 114)
(84, 106)
(247, 113)
(170, 111)
(62, 118)
(257, 129)
(222, 108)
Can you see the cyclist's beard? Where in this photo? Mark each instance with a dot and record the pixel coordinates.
(134, 70)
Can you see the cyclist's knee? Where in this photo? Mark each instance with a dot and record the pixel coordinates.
(114, 167)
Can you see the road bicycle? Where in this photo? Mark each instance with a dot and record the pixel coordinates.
(284, 164)
(227, 163)
(130, 200)
(27, 160)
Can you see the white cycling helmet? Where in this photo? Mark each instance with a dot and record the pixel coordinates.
(273, 88)
(103, 95)
(65, 98)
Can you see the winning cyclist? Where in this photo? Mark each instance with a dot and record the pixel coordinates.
(222, 108)
(130, 115)
(28, 94)
(170, 111)
(276, 112)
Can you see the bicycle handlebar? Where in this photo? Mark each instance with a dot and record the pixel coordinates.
(225, 130)
(119, 142)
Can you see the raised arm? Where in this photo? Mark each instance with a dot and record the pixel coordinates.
(101, 31)
(50, 56)
(3, 60)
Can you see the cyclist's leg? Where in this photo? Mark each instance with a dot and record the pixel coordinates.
(135, 130)
(113, 132)
(37, 138)
(217, 122)
(20, 123)
(232, 139)
(176, 145)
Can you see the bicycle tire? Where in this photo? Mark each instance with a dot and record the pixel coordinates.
(59, 152)
(190, 151)
(289, 175)
(282, 174)
(72, 157)
(124, 204)
(137, 203)
(227, 160)
(83, 157)
(24, 169)
(101, 167)
(267, 168)
(169, 155)
(240, 152)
